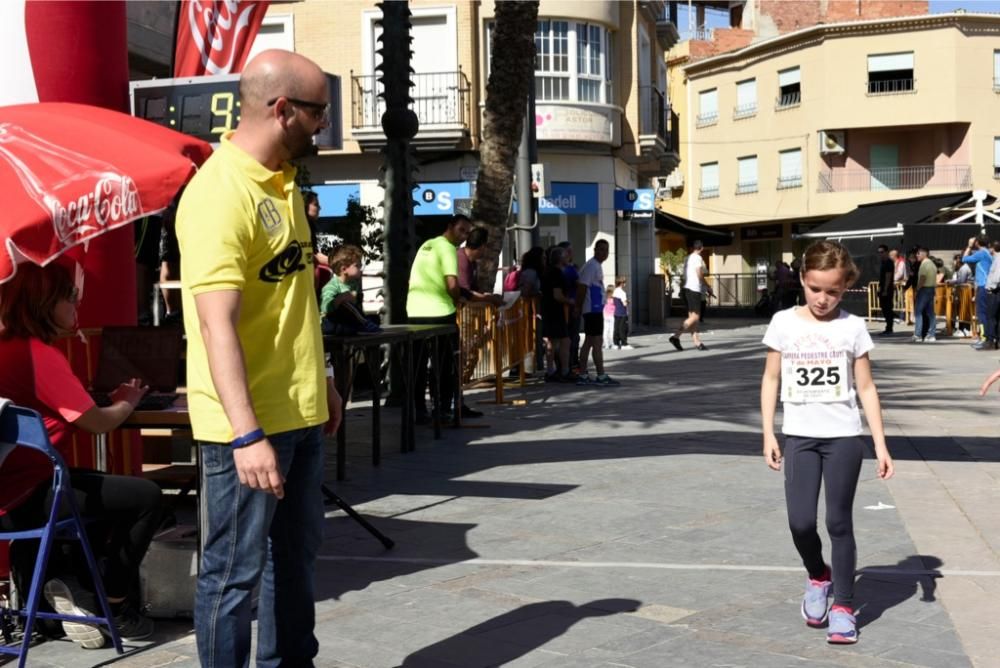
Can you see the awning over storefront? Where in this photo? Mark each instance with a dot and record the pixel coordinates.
(710, 236)
(885, 219)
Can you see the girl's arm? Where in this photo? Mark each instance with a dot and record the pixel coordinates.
(868, 395)
(768, 402)
(989, 381)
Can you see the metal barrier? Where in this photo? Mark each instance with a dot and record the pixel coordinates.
(957, 303)
(494, 340)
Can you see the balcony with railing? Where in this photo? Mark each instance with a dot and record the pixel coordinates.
(895, 178)
(744, 111)
(441, 101)
(653, 109)
(706, 119)
(891, 87)
(788, 100)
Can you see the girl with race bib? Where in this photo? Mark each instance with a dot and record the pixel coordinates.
(818, 357)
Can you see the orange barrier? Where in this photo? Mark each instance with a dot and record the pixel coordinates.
(955, 302)
(492, 341)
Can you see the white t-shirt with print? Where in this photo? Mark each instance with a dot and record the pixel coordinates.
(817, 360)
(691, 279)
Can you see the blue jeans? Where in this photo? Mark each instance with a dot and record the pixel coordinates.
(924, 320)
(982, 314)
(252, 537)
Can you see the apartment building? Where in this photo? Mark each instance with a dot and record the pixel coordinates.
(791, 131)
(601, 115)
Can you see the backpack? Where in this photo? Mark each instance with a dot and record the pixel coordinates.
(511, 281)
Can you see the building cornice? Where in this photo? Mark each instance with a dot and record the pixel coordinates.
(814, 35)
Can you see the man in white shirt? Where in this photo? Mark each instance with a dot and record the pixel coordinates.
(590, 297)
(692, 287)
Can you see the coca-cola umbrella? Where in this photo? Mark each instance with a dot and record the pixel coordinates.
(70, 172)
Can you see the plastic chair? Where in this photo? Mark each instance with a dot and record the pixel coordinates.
(23, 427)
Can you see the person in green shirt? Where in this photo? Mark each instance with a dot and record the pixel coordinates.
(338, 299)
(431, 300)
(924, 319)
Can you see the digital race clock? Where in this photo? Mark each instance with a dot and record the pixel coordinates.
(204, 107)
(207, 107)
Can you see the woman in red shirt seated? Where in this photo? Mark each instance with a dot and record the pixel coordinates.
(37, 306)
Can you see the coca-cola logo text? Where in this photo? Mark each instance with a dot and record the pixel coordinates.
(114, 200)
(215, 27)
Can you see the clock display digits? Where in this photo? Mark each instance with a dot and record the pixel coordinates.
(223, 105)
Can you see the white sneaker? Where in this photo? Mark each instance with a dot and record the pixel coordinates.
(916, 339)
(68, 600)
(626, 347)
(930, 339)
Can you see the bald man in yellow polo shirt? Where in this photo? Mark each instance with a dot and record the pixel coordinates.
(257, 391)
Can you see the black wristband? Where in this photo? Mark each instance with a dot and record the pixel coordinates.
(249, 438)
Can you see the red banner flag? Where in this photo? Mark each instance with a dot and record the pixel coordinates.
(215, 36)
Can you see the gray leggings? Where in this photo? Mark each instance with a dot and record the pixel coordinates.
(837, 462)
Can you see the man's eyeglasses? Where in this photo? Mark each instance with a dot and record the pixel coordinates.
(319, 110)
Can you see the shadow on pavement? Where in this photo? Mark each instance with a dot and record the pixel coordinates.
(875, 591)
(513, 634)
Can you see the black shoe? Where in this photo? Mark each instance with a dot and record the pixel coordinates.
(471, 412)
(676, 341)
(887, 332)
(702, 346)
(132, 625)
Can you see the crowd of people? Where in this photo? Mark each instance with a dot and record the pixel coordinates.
(570, 302)
(918, 273)
(255, 310)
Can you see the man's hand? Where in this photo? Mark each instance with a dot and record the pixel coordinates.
(335, 407)
(257, 467)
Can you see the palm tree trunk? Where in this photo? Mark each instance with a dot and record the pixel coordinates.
(512, 69)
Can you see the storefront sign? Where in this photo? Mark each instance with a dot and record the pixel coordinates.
(640, 199)
(438, 199)
(333, 198)
(574, 123)
(758, 232)
(568, 198)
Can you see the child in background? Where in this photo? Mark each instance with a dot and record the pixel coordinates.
(818, 357)
(609, 317)
(620, 337)
(340, 314)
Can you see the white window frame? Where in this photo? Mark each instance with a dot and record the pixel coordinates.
(598, 76)
(708, 114)
(996, 157)
(789, 77)
(709, 186)
(745, 106)
(996, 70)
(787, 177)
(368, 44)
(287, 23)
(747, 175)
(901, 61)
(545, 56)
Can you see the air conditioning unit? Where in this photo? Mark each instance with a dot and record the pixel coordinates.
(675, 179)
(832, 141)
(660, 187)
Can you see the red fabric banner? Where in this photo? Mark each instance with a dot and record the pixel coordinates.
(215, 36)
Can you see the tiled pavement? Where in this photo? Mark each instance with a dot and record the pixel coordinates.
(638, 527)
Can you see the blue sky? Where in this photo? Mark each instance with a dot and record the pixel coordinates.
(945, 6)
(716, 19)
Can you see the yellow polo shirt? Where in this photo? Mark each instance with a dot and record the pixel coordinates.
(242, 227)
